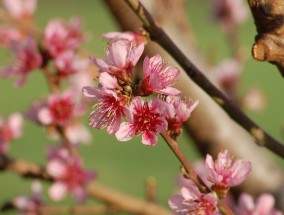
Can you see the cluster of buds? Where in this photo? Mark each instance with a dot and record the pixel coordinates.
(119, 96)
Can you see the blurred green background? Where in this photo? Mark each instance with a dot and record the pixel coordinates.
(127, 165)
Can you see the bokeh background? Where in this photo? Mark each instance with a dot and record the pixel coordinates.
(127, 165)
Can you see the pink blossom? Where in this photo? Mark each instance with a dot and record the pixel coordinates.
(145, 118)
(135, 38)
(177, 111)
(60, 36)
(228, 74)
(159, 77)
(78, 133)
(230, 12)
(264, 205)
(108, 109)
(10, 128)
(254, 100)
(29, 205)
(28, 58)
(224, 173)
(59, 109)
(192, 202)
(8, 34)
(120, 60)
(69, 176)
(20, 9)
(68, 64)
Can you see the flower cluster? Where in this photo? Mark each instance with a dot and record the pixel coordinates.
(220, 176)
(69, 175)
(118, 96)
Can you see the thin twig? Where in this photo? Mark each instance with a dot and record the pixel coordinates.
(187, 166)
(157, 34)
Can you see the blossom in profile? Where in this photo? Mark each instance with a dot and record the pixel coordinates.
(58, 109)
(145, 118)
(192, 202)
(108, 110)
(68, 64)
(60, 36)
(27, 57)
(225, 173)
(120, 60)
(135, 38)
(69, 176)
(159, 77)
(230, 12)
(177, 111)
(8, 34)
(263, 205)
(29, 205)
(10, 128)
(20, 9)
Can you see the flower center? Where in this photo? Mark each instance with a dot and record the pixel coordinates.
(61, 110)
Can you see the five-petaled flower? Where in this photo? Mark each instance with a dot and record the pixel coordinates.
(159, 77)
(177, 111)
(224, 173)
(120, 60)
(145, 118)
(60, 36)
(59, 109)
(108, 110)
(69, 175)
(28, 58)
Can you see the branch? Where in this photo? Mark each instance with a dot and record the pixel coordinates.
(191, 174)
(119, 201)
(269, 42)
(157, 34)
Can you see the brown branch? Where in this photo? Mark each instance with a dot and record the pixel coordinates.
(157, 34)
(190, 172)
(118, 200)
(269, 41)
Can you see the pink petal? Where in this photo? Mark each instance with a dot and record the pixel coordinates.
(169, 91)
(90, 92)
(246, 202)
(136, 54)
(79, 194)
(57, 191)
(56, 168)
(108, 81)
(100, 63)
(15, 122)
(240, 171)
(178, 204)
(44, 116)
(264, 204)
(125, 132)
(118, 53)
(191, 192)
(149, 138)
(114, 126)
